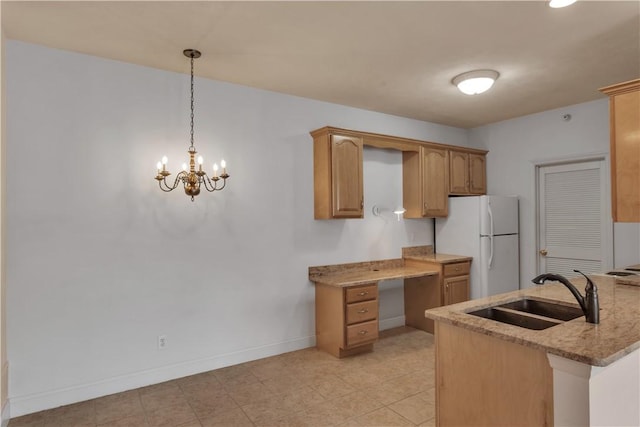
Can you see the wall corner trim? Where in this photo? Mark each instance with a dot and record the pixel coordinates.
(5, 415)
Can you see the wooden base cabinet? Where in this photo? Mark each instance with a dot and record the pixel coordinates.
(420, 295)
(455, 290)
(485, 381)
(624, 112)
(346, 318)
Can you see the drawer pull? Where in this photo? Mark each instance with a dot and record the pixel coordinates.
(363, 293)
(363, 332)
(364, 310)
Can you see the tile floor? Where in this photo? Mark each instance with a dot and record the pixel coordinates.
(392, 386)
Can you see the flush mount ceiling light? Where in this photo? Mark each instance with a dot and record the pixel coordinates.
(191, 179)
(560, 3)
(475, 82)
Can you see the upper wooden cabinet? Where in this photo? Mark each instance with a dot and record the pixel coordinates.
(624, 109)
(467, 173)
(429, 172)
(337, 173)
(458, 172)
(477, 173)
(425, 181)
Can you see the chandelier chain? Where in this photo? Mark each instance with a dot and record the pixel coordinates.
(191, 101)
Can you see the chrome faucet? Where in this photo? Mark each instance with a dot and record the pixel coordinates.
(589, 303)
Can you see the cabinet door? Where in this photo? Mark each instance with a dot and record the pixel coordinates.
(625, 158)
(624, 110)
(456, 289)
(458, 172)
(477, 174)
(435, 172)
(346, 177)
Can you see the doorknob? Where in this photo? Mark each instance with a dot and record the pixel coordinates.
(543, 252)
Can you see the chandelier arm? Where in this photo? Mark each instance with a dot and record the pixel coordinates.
(208, 185)
(224, 182)
(167, 188)
(214, 187)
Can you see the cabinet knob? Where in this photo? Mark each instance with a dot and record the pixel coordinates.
(363, 293)
(364, 310)
(363, 332)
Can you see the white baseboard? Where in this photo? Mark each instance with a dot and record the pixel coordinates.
(393, 322)
(22, 405)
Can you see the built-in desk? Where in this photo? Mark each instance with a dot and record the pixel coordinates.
(347, 296)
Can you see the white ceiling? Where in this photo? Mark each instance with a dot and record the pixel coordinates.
(393, 57)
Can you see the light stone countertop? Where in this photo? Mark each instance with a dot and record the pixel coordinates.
(360, 273)
(439, 258)
(617, 334)
(344, 275)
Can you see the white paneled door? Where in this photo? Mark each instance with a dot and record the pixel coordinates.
(574, 221)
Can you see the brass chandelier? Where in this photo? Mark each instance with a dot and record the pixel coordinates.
(192, 179)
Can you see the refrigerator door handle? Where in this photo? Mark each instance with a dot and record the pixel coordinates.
(490, 234)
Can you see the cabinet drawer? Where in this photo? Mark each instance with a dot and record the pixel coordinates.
(361, 311)
(456, 269)
(362, 332)
(361, 293)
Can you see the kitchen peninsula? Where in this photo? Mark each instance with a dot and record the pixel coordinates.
(346, 300)
(574, 373)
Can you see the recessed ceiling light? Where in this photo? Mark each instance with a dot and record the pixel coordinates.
(560, 3)
(475, 82)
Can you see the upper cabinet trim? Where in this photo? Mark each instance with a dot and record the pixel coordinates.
(377, 140)
(619, 88)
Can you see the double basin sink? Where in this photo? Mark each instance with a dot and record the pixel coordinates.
(530, 313)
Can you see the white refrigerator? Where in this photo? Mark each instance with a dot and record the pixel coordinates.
(485, 228)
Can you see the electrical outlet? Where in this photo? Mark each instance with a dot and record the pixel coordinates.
(162, 342)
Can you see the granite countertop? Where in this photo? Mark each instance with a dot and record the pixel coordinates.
(439, 258)
(617, 334)
(359, 273)
(343, 275)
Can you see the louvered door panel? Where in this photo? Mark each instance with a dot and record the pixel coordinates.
(571, 215)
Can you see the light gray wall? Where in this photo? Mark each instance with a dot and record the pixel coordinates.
(4, 377)
(516, 145)
(100, 262)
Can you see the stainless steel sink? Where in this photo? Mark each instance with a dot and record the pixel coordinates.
(516, 319)
(530, 313)
(546, 309)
